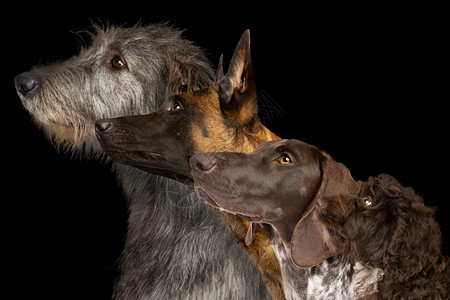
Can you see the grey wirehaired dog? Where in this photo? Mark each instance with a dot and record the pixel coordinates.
(176, 247)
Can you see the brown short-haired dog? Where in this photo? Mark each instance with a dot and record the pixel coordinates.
(222, 117)
(314, 210)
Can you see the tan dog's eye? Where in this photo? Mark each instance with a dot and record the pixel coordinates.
(175, 106)
(367, 200)
(285, 160)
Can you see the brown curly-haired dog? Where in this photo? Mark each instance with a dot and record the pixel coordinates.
(314, 211)
(388, 226)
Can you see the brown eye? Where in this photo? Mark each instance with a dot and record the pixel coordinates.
(175, 106)
(285, 160)
(367, 200)
(117, 62)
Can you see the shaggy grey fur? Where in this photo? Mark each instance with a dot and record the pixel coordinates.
(176, 247)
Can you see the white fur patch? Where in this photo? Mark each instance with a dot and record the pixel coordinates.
(367, 279)
(338, 277)
(332, 279)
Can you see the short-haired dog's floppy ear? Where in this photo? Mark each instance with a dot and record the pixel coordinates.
(308, 244)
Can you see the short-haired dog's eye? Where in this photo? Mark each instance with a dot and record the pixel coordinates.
(367, 200)
(285, 159)
(175, 106)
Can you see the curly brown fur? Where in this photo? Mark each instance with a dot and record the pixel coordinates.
(388, 226)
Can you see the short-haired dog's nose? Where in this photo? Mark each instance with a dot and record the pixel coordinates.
(203, 162)
(26, 84)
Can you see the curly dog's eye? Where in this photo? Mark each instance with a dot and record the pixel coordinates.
(367, 200)
(117, 62)
(285, 159)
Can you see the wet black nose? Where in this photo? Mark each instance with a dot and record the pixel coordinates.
(103, 124)
(203, 162)
(26, 84)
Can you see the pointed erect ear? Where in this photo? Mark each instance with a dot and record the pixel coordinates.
(219, 72)
(188, 74)
(308, 244)
(237, 88)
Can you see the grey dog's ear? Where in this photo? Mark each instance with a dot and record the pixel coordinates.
(308, 244)
(188, 74)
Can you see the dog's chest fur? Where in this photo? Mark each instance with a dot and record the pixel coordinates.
(332, 279)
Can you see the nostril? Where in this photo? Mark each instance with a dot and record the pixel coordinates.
(103, 125)
(205, 166)
(25, 84)
(203, 162)
(199, 166)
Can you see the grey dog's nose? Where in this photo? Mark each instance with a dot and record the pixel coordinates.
(26, 84)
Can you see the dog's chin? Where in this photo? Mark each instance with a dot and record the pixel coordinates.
(203, 195)
(150, 162)
(166, 173)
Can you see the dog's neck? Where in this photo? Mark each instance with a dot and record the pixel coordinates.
(254, 135)
(278, 238)
(319, 282)
(280, 230)
(295, 280)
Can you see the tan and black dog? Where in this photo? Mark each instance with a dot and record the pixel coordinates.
(222, 117)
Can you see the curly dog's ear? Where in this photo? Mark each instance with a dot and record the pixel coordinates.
(308, 244)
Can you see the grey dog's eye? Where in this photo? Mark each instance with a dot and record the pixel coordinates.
(367, 200)
(117, 62)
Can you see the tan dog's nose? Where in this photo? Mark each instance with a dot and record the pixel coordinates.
(103, 125)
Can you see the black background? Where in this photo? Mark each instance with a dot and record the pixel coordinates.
(366, 84)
